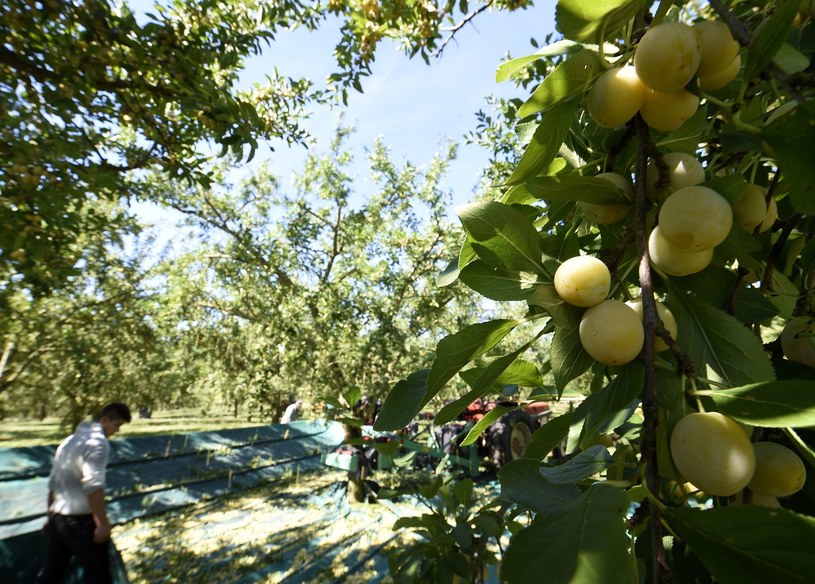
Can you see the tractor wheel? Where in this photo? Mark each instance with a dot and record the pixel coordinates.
(509, 437)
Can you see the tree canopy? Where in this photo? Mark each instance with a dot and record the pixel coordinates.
(103, 106)
(93, 94)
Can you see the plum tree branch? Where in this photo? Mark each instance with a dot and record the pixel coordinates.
(742, 34)
(740, 31)
(650, 407)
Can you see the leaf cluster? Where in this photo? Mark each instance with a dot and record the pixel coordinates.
(727, 355)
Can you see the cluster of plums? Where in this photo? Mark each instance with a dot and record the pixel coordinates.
(714, 453)
(667, 58)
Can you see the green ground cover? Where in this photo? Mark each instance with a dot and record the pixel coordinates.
(290, 530)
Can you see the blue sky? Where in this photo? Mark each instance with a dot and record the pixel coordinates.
(415, 107)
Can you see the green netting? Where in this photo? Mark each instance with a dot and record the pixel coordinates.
(34, 461)
(155, 474)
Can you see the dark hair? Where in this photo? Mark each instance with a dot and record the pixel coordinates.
(114, 411)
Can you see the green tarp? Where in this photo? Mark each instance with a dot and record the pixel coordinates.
(152, 475)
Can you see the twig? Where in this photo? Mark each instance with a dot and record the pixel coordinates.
(464, 22)
(614, 151)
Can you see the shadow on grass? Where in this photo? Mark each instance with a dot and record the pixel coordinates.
(208, 550)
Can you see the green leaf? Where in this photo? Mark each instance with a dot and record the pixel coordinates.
(770, 38)
(488, 524)
(522, 483)
(743, 544)
(570, 78)
(731, 187)
(585, 542)
(719, 343)
(586, 464)
(449, 275)
(792, 139)
(570, 187)
(548, 436)
(488, 378)
(804, 450)
(546, 142)
(484, 423)
(353, 422)
(740, 245)
(607, 408)
(806, 259)
(671, 399)
(547, 298)
(403, 402)
(686, 138)
(790, 60)
(352, 395)
(409, 523)
(502, 236)
(454, 351)
(784, 295)
(509, 68)
(464, 490)
(778, 404)
(520, 372)
(715, 286)
(594, 21)
(735, 141)
(467, 254)
(332, 401)
(498, 283)
(568, 357)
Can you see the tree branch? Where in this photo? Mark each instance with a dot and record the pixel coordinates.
(650, 407)
(458, 26)
(742, 34)
(740, 31)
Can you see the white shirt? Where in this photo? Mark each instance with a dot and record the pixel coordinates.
(292, 413)
(79, 469)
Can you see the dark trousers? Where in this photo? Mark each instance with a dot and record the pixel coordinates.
(72, 536)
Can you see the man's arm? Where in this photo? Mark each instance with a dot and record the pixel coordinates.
(96, 500)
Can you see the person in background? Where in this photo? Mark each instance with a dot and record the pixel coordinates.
(292, 412)
(78, 524)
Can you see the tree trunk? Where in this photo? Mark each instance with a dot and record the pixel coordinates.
(356, 479)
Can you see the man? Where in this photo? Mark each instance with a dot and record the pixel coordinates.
(292, 412)
(77, 517)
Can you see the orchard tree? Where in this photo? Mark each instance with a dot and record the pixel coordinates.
(92, 95)
(319, 290)
(658, 225)
(98, 339)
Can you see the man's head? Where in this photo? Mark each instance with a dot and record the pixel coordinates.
(112, 417)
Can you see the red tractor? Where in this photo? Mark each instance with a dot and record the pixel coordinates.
(507, 438)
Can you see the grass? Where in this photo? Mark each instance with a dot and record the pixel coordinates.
(18, 432)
